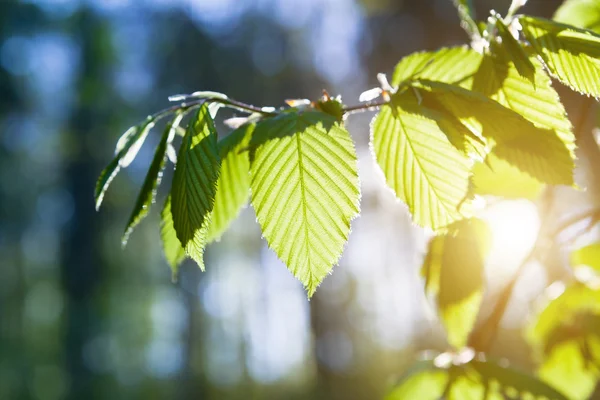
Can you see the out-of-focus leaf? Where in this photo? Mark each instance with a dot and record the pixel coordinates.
(580, 13)
(233, 185)
(588, 255)
(419, 162)
(172, 248)
(571, 54)
(472, 380)
(456, 261)
(195, 184)
(127, 149)
(305, 190)
(153, 177)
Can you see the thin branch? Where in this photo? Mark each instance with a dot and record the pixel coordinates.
(368, 106)
(231, 103)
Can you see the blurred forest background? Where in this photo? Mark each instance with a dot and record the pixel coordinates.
(82, 319)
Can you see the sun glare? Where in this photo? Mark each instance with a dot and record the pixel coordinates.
(514, 225)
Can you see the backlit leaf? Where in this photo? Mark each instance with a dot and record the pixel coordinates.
(456, 260)
(535, 151)
(127, 148)
(305, 190)
(172, 249)
(580, 13)
(515, 51)
(195, 184)
(571, 54)
(233, 185)
(153, 177)
(419, 162)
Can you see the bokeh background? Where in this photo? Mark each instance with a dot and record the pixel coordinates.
(80, 318)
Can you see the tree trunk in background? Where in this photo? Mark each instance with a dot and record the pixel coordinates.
(81, 264)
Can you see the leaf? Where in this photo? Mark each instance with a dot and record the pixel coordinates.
(588, 255)
(572, 55)
(305, 190)
(233, 185)
(454, 270)
(127, 148)
(580, 13)
(153, 178)
(419, 163)
(515, 51)
(471, 380)
(195, 184)
(174, 252)
(466, 12)
(535, 151)
(497, 177)
(449, 65)
(566, 369)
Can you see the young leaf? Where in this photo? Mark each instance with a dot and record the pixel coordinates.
(449, 65)
(147, 194)
(456, 260)
(572, 55)
(588, 255)
(174, 252)
(195, 184)
(515, 51)
(233, 185)
(535, 151)
(580, 13)
(305, 190)
(419, 162)
(127, 148)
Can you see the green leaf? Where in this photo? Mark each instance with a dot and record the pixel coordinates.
(449, 65)
(580, 13)
(147, 194)
(515, 51)
(471, 380)
(466, 12)
(127, 149)
(497, 177)
(195, 184)
(453, 271)
(419, 162)
(572, 55)
(588, 255)
(535, 151)
(305, 190)
(567, 370)
(233, 185)
(172, 248)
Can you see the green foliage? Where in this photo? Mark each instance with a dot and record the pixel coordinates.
(153, 178)
(453, 124)
(305, 190)
(448, 377)
(566, 336)
(128, 146)
(453, 271)
(174, 252)
(419, 162)
(572, 55)
(234, 180)
(195, 184)
(580, 13)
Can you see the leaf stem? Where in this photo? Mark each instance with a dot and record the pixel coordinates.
(231, 103)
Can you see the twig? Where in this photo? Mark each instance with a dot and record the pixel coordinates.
(368, 106)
